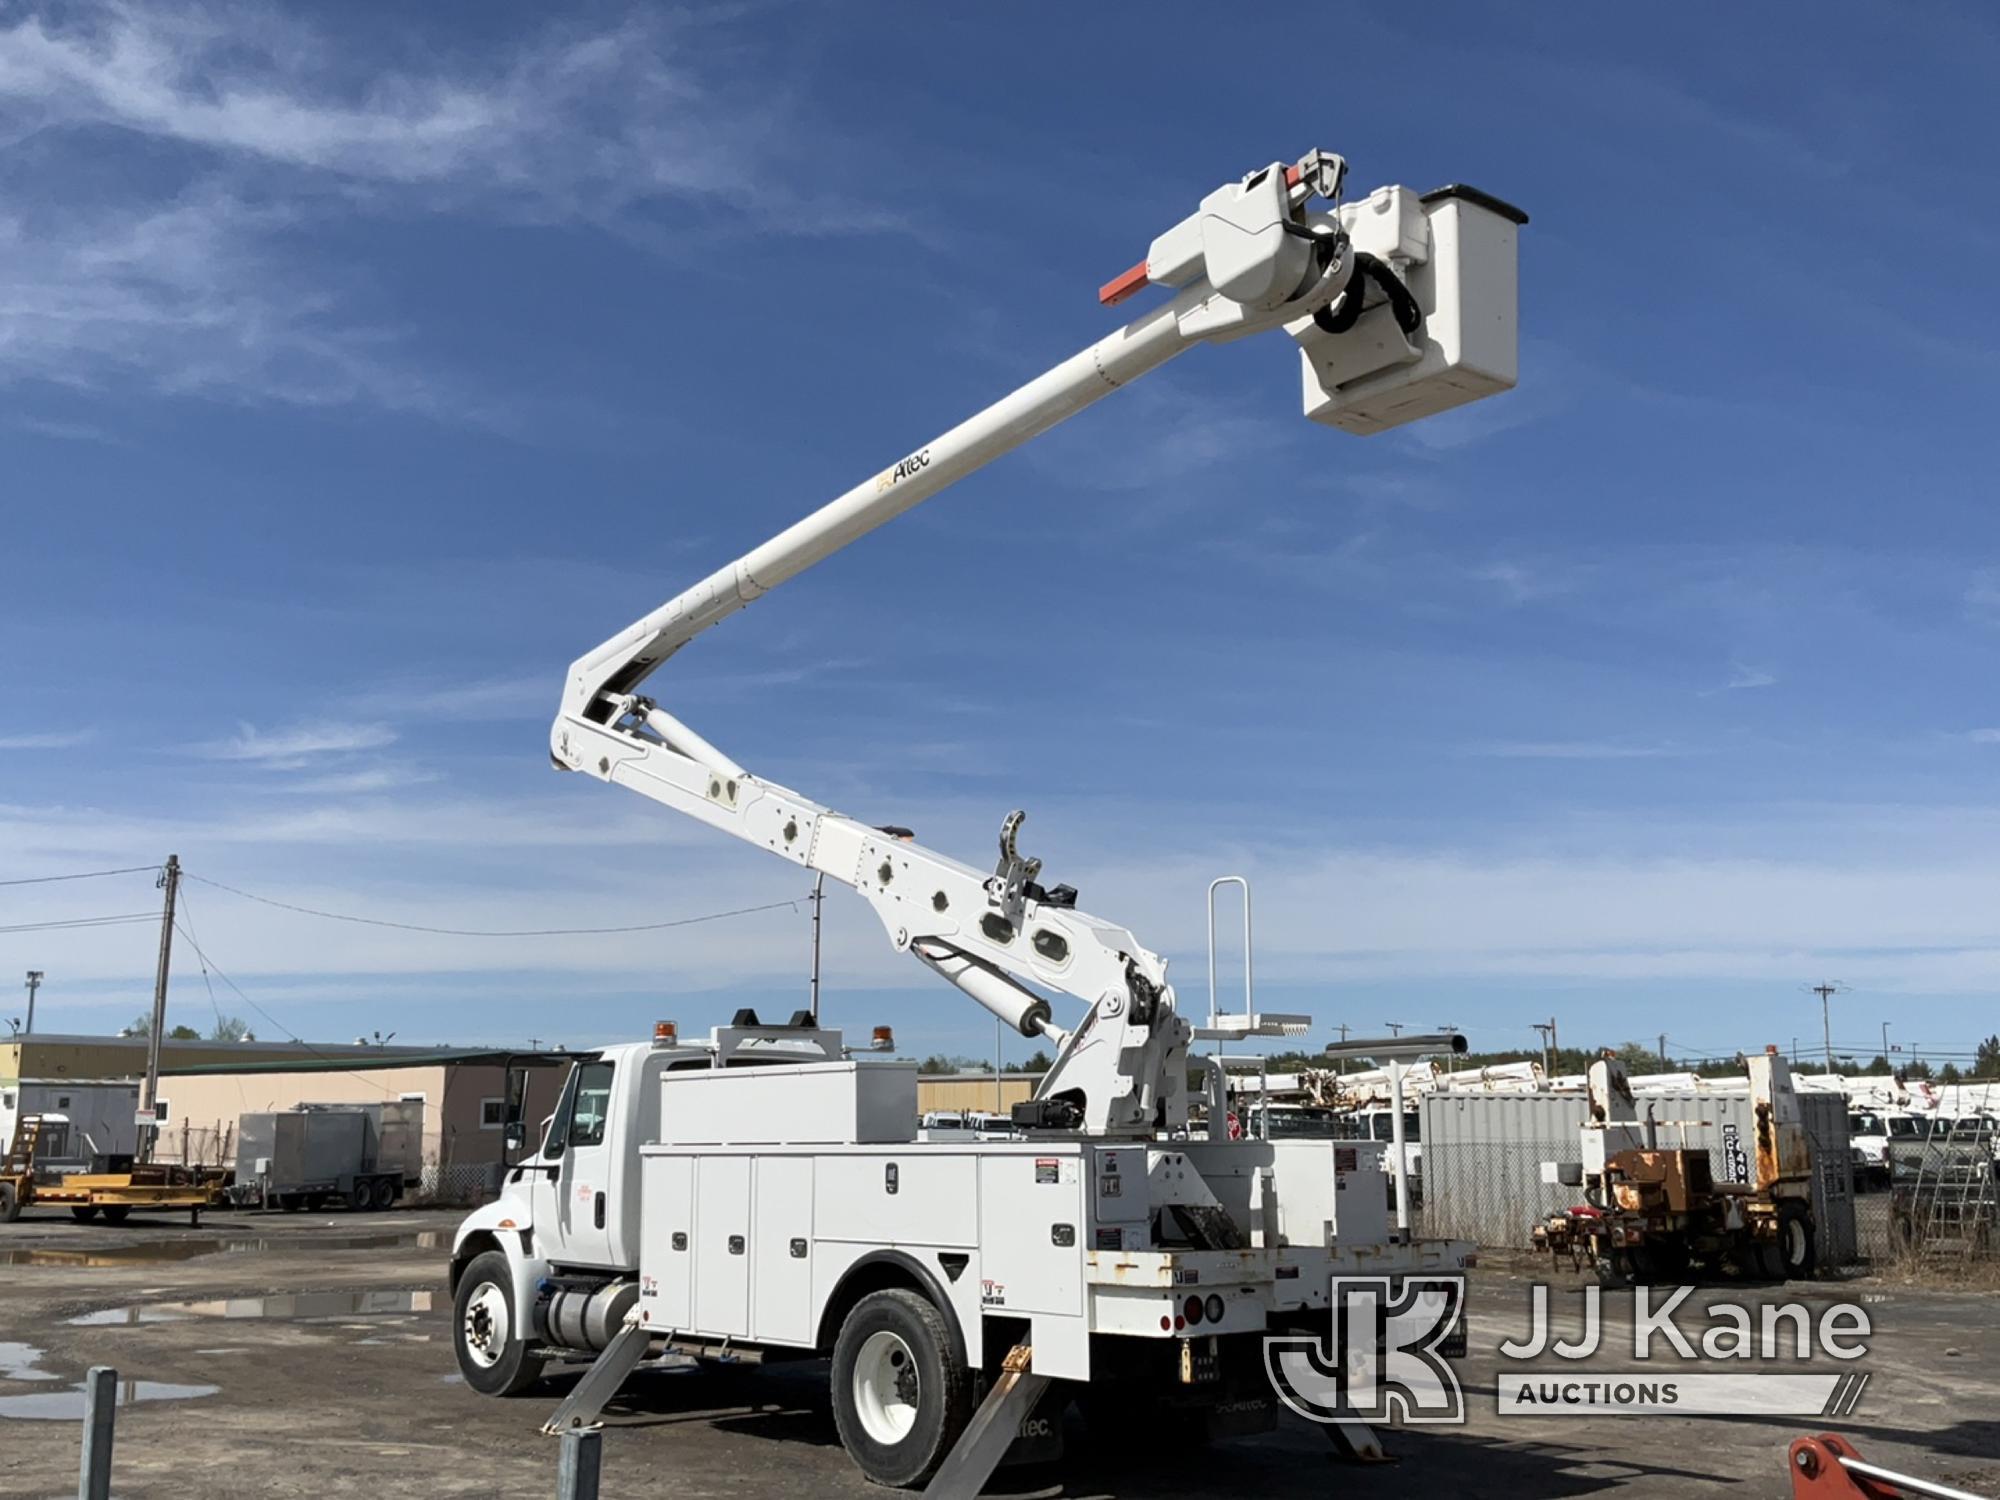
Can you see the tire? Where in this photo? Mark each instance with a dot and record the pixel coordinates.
(361, 1197)
(1660, 1261)
(117, 1213)
(10, 1203)
(83, 1213)
(486, 1333)
(1798, 1244)
(384, 1194)
(900, 1397)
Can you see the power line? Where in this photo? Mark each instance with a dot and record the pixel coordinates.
(58, 924)
(187, 916)
(336, 916)
(209, 963)
(83, 875)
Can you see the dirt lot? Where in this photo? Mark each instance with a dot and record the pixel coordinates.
(345, 1385)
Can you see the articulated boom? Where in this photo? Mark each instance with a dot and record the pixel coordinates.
(1401, 306)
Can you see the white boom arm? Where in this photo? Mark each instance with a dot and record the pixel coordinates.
(1375, 294)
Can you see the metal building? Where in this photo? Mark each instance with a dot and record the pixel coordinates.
(1483, 1156)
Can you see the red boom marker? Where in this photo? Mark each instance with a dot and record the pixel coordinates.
(1123, 285)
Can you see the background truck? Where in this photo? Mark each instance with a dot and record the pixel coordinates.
(363, 1155)
(1652, 1212)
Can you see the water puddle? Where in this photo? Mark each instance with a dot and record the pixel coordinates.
(67, 1405)
(21, 1362)
(279, 1307)
(163, 1252)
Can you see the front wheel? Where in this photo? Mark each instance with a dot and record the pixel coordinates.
(117, 1213)
(487, 1335)
(900, 1397)
(83, 1213)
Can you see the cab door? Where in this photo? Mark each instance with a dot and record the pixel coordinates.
(574, 1201)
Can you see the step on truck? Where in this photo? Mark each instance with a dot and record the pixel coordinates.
(706, 1203)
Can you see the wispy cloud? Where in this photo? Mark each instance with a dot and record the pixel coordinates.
(297, 746)
(200, 277)
(467, 702)
(1982, 596)
(373, 779)
(1575, 750)
(1520, 584)
(1984, 736)
(60, 739)
(1743, 676)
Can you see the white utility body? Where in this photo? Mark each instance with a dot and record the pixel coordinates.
(767, 1194)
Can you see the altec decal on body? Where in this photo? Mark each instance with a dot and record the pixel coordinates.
(904, 470)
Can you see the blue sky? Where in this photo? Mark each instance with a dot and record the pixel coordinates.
(360, 367)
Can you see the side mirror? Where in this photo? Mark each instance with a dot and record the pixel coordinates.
(512, 1140)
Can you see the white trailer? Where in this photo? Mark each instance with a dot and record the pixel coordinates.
(766, 1196)
(88, 1124)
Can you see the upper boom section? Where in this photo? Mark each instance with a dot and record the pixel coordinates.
(1430, 325)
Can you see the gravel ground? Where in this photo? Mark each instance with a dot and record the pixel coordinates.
(344, 1385)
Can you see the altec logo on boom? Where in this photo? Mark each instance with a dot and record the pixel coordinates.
(918, 460)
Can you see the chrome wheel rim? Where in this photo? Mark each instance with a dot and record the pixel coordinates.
(487, 1325)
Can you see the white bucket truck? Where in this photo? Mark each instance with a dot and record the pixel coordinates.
(766, 1195)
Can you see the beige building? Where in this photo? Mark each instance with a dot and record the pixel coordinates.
(206, 1086)
(53, 1055)
(464, 1094)
(955, 1093)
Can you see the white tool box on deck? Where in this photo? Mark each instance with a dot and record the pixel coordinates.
(806, 1104)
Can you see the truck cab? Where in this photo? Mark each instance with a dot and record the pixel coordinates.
(568, 1215)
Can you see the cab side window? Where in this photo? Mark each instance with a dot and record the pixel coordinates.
(592, 1106)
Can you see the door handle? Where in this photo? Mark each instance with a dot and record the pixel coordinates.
(598, 1211)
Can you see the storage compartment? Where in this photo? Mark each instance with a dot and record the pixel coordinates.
(806, 1104)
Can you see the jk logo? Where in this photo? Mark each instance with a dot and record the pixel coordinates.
(1387, 1357)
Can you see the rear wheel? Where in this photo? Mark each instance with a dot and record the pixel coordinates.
(117, 1213)
(384, 1193)
(900, 1396)
(487, 1336)
(361, 1197)
(10, 1203)
(83, 1213)
(1798, 1250)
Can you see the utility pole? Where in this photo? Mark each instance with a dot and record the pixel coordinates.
(170, 878)
(1547, 1031)
(1340, 1063)
(818, 895)
(1885, 1042)
(1664, 1064)
(1450, 1058)
(1395, 1027)
(1826, 991)
(34, 983)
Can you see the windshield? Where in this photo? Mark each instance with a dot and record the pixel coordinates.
(1864, 1124)
(1291, 1123)
(1385, 1126)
